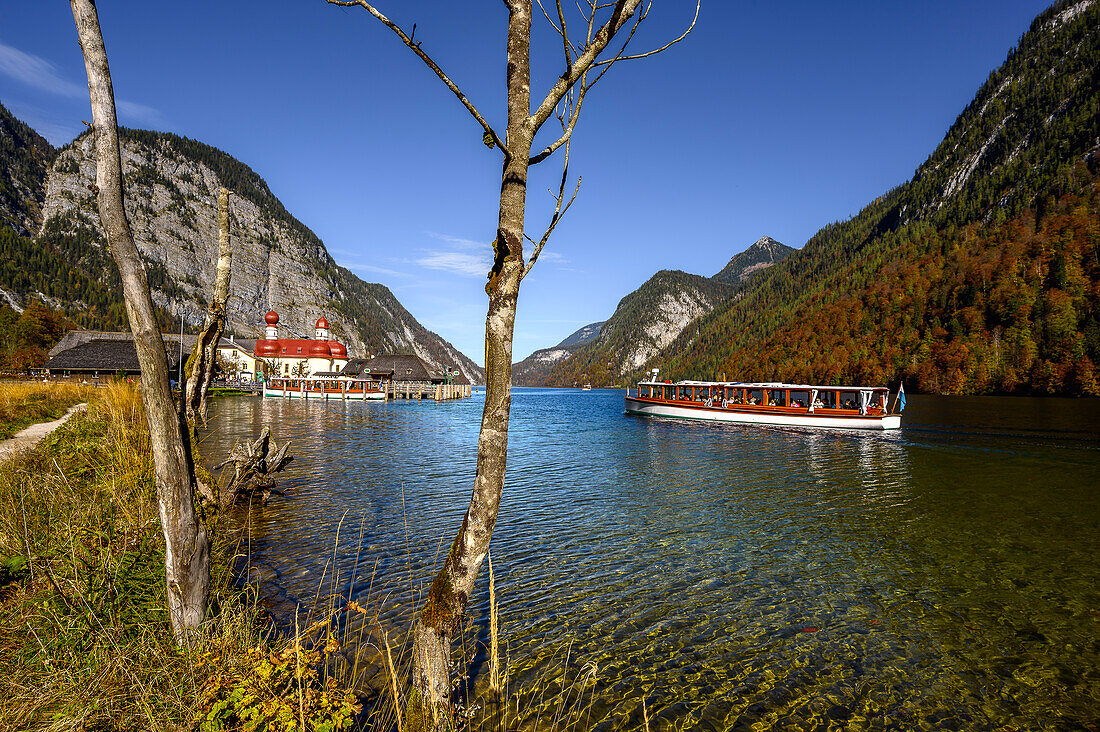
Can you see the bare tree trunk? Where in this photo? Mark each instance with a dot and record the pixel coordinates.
(451, 589)
(205, 354)
(186, 558)
(428, 706)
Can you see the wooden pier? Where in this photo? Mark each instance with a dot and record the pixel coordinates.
(426, 390)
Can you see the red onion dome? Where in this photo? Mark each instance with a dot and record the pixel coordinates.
(322, 323)
(272, 318)
(319, 348)
(265, 347)
(338, 350)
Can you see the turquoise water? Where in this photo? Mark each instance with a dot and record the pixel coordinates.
(941, 577)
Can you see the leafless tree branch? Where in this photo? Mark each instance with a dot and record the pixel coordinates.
(681, 37)
(621, 13)
(415, 47)
(559, 212)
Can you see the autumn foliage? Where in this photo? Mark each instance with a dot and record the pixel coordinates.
(1006, 308)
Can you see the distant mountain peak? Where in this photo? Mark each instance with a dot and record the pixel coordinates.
(763, 253)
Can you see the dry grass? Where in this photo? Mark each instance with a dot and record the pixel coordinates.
(23, 403)
(85, 642)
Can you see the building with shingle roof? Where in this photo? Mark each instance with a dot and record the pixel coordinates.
(96, 357)
(404, 369)
(98, 353)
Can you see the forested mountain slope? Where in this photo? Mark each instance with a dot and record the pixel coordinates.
(980, 274)
(171, 185)
(24, 157)
(533, 370)
(762, 254)
(645, 322)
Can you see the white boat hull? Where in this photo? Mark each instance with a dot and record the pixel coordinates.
(738, 416)
(326, 396)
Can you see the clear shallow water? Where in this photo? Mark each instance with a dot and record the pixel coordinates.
(942, 577)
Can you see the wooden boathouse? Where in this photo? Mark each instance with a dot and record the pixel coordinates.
(408, 377)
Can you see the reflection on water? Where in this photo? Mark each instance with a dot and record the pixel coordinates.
(944, 576)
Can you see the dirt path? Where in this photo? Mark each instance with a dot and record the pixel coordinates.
(29, 437)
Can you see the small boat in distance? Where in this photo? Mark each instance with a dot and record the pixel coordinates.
(798, 405)
(586, 387)
(326, 387)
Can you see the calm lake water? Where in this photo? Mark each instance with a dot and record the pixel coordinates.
(942, 577)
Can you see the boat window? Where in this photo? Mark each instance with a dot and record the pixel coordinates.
(755, 396)
(849, 400)
(800, 398)
(879, 400)
(685, 393)
(777, 398)
(738, 396)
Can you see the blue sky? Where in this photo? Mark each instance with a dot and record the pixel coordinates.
(770, 118)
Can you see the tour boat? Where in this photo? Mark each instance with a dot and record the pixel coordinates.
(798, 405)
(315, 387)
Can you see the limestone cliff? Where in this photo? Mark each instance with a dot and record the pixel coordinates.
(278, 263)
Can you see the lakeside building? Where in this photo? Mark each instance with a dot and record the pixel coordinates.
(96, 354)
(300, 356)
(409, 375)
(93, 354)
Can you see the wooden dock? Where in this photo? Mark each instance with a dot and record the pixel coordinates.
(426, 390)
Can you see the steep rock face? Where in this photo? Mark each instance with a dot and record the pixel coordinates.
(278, 263)
(1009, 140)
(645, 322)
(532, 370)
(24, 158)
(677, 301)
(764, 252)
(583, 335)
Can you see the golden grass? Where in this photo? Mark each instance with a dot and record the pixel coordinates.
(23, 403)
(85, 642)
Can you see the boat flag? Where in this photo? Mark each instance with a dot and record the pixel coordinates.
(900, 400)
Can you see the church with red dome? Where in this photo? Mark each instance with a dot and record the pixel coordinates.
(300, 356)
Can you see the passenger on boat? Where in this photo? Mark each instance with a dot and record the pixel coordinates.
(752, 400)
(849, 404)
(796, 403)
(818, 404)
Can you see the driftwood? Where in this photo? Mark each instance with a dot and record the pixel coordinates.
(254, 467)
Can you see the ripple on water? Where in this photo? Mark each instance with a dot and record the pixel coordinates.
(731, 578)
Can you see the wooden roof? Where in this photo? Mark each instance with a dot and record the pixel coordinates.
(105, 355)
(402, 366)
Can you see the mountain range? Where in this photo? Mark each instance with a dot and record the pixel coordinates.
(981, 274)
(54, 250)
(645, 323)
